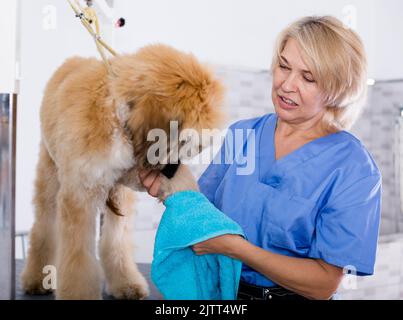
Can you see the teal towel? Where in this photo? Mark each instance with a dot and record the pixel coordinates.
(176, 270)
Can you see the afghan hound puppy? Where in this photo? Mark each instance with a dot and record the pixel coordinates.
(94, 128)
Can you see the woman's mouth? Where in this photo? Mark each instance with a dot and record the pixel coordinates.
(287, 103)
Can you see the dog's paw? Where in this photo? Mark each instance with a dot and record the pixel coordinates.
(182, 180)
(134, 291)
(34, 286)
(166, 188)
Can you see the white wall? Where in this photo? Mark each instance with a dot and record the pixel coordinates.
(50, 33)
(242, 32)
(9, 45)
(387, 42)
(229, 32)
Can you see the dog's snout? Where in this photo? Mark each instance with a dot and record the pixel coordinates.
(170, 170)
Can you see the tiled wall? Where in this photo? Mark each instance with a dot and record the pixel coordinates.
(381, 130)
(387, 282)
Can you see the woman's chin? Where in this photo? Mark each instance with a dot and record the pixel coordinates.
(286, 113)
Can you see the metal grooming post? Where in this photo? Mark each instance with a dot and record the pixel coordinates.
(9, 56)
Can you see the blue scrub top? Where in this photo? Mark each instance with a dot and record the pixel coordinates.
(321, 201)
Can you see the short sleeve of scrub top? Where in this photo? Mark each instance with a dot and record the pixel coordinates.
(321, 201)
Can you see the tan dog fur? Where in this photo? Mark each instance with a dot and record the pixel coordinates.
(94, 140)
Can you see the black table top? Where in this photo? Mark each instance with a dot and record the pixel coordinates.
(144, 269)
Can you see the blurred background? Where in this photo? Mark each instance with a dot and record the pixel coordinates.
(237, 38)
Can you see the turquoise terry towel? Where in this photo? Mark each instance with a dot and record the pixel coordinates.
(176, 270)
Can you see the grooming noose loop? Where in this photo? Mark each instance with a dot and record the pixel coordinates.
(89, 20)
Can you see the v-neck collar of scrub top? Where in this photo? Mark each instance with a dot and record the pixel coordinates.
(277, 168)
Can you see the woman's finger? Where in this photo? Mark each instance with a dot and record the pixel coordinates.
(155, 187)
(149, 180)
(198, 251)
(144, 173)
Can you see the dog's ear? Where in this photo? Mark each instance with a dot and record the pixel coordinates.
(145, 115)
(200, 103)
(168, 84)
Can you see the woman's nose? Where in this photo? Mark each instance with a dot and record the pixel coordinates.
(290, 83)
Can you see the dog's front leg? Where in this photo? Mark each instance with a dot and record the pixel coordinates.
(78, 273)
(124, 281)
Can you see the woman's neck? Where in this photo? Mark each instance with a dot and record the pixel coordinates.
(306, 130)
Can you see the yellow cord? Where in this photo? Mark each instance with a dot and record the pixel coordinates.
(88, 15)
(92, 17)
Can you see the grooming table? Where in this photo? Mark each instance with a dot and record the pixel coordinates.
(145, 269)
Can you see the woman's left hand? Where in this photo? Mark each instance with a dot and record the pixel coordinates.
(226, 245)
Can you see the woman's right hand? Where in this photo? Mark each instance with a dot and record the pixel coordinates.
(151, 180)
(159, 186)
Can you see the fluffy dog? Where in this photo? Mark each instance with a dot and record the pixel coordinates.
(94, 140)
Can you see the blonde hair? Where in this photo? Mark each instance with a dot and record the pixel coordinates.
(337, 59)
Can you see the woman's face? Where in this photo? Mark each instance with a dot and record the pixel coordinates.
(296, 95)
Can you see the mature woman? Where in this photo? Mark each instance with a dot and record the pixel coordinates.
(311, 209)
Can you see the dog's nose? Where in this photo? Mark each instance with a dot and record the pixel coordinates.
(170, 170)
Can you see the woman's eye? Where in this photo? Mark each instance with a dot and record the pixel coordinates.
(309, 80)
(282, 66)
